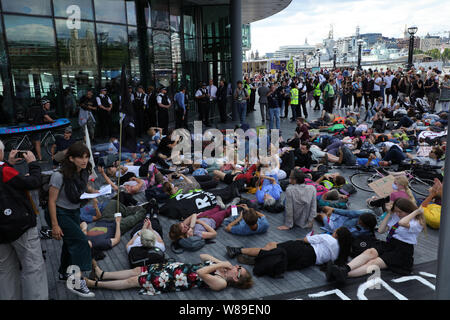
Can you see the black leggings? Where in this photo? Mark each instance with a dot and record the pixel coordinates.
(206, 182)
(380, 203)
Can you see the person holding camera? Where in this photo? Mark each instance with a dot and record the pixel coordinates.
(22, 268)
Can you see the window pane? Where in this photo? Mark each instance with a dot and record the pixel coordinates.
(162, 54)
(78, 56)
(189, 25)
(134, 54)
(40, 7)
(175, 15)
(6, 108)
(176, 49)
(160, 14)
(131, 12)
(61, 6)
(32, 53)
(113, 46)
(110, 10)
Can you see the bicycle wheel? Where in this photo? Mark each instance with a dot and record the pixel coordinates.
(421, 186)
(11, 144)
(49, 142)
(361, 180)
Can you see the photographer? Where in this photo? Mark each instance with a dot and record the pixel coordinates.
(22, 268)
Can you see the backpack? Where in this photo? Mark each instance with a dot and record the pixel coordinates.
(361, 244)
(193, 243)
(15, 216)
(272, 263)
(43, 190)
(347, 189)
(142, 256)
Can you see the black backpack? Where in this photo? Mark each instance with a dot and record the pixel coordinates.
(43, 190)
(142, 256)
(31, 114)
(361, 244)
(272, 263)
(15, 217)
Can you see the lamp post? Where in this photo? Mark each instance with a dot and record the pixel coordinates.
(335, 49)
(318, 55)
(360, 43)
(412, 31)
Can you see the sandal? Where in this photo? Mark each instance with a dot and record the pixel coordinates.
(93, 274)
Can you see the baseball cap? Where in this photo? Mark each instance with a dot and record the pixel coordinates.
(68, 129)
(44, 101)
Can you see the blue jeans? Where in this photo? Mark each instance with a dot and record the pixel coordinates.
(242, 111)
(343, 218)
(274, 115)
(369, 114)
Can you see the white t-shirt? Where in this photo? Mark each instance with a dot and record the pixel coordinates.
(408, 235)
(376, 84)
(137, 242)
(388, 80)
(325, 246)
(133, 169)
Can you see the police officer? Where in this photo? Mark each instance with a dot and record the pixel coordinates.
(140, 105)
(104, 107)
(202, 99)
(164, 104)
(302, 91)
(294, 102)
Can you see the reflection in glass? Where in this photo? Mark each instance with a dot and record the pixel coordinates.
(39, 7)
(6, 110)
(134, 54)
(78, 56)
(112, 43)
(175, 15)
(32, 53)
(131, 12)
(60, 8)
(110, 11)
(160, 14)
(162, 54)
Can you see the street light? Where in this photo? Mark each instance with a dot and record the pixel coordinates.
(335, 49)
(360, 43)
(318, 55)
(412, 31)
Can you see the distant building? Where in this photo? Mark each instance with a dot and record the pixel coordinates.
(430, 42)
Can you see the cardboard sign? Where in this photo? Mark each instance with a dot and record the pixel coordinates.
(383, 187)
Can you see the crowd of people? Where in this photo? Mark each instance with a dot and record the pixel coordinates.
(378, 118)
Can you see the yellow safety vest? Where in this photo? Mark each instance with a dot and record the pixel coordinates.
(317, 92)
(294, 96)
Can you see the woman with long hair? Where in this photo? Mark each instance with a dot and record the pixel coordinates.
(400, 190)
(211, 273)
(65, 189)
(404, 222)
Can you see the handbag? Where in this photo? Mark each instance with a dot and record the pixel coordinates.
(142, 256)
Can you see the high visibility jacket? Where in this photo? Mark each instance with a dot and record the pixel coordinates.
(317, 91)
(340, 120)
(248, 89)
(294, 96)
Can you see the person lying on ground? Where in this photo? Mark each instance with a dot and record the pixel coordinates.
(146, 237)
(268, 190)
(211, 273)
(248, 222)
(104, 235)
(303, 253)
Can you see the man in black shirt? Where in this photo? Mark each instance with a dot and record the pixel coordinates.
(140, 105)
(394, 86)
(222, 101)
(61, 145)
(104, 107)
(418, 90)
(303, 156)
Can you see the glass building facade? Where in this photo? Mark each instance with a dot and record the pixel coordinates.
(47, 46)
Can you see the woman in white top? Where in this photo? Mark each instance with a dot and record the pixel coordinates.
(404, 221)
(309, 251)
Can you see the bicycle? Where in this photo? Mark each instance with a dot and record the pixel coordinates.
(24, 142)
(361, 180)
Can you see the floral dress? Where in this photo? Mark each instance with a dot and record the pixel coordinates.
(170, 277)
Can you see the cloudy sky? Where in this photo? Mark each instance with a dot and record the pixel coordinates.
(312, 19)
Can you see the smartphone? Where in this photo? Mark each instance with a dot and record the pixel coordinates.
(234, 211)
(20, 154)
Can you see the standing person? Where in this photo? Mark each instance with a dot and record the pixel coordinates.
(140, 105)
(295, 102)
(388, 80)
(202, 100)
(151, 111)
(65, 188)
(317, 93)
(263, 91)
(22, 268)
(252, 99)
(240, 98)
(302, 92)
(274, 108)
(85, 117)
(418, 90)
(377, 80)
(445, 93)
(69, 102)
(394, 86)
(286, 99)
(222, 101)
(357, 89)
(180, 109)
(212, 98)
(404, 87)
(104, 107)
(328, 96)
(431, 86)
(164, 104)
(40, 117)
(310, 91)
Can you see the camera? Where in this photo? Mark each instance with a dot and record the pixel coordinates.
(20, 154)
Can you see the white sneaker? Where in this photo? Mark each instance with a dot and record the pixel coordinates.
(83, 292)
(220, 203)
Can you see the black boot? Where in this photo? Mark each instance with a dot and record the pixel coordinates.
(329, 273)
(232, 252)
(340, 273)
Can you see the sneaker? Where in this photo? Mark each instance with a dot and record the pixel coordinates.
(339, 273)
(246, 259)
(234, 202)
(232, 252)
(84, 291)
(220, 203)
